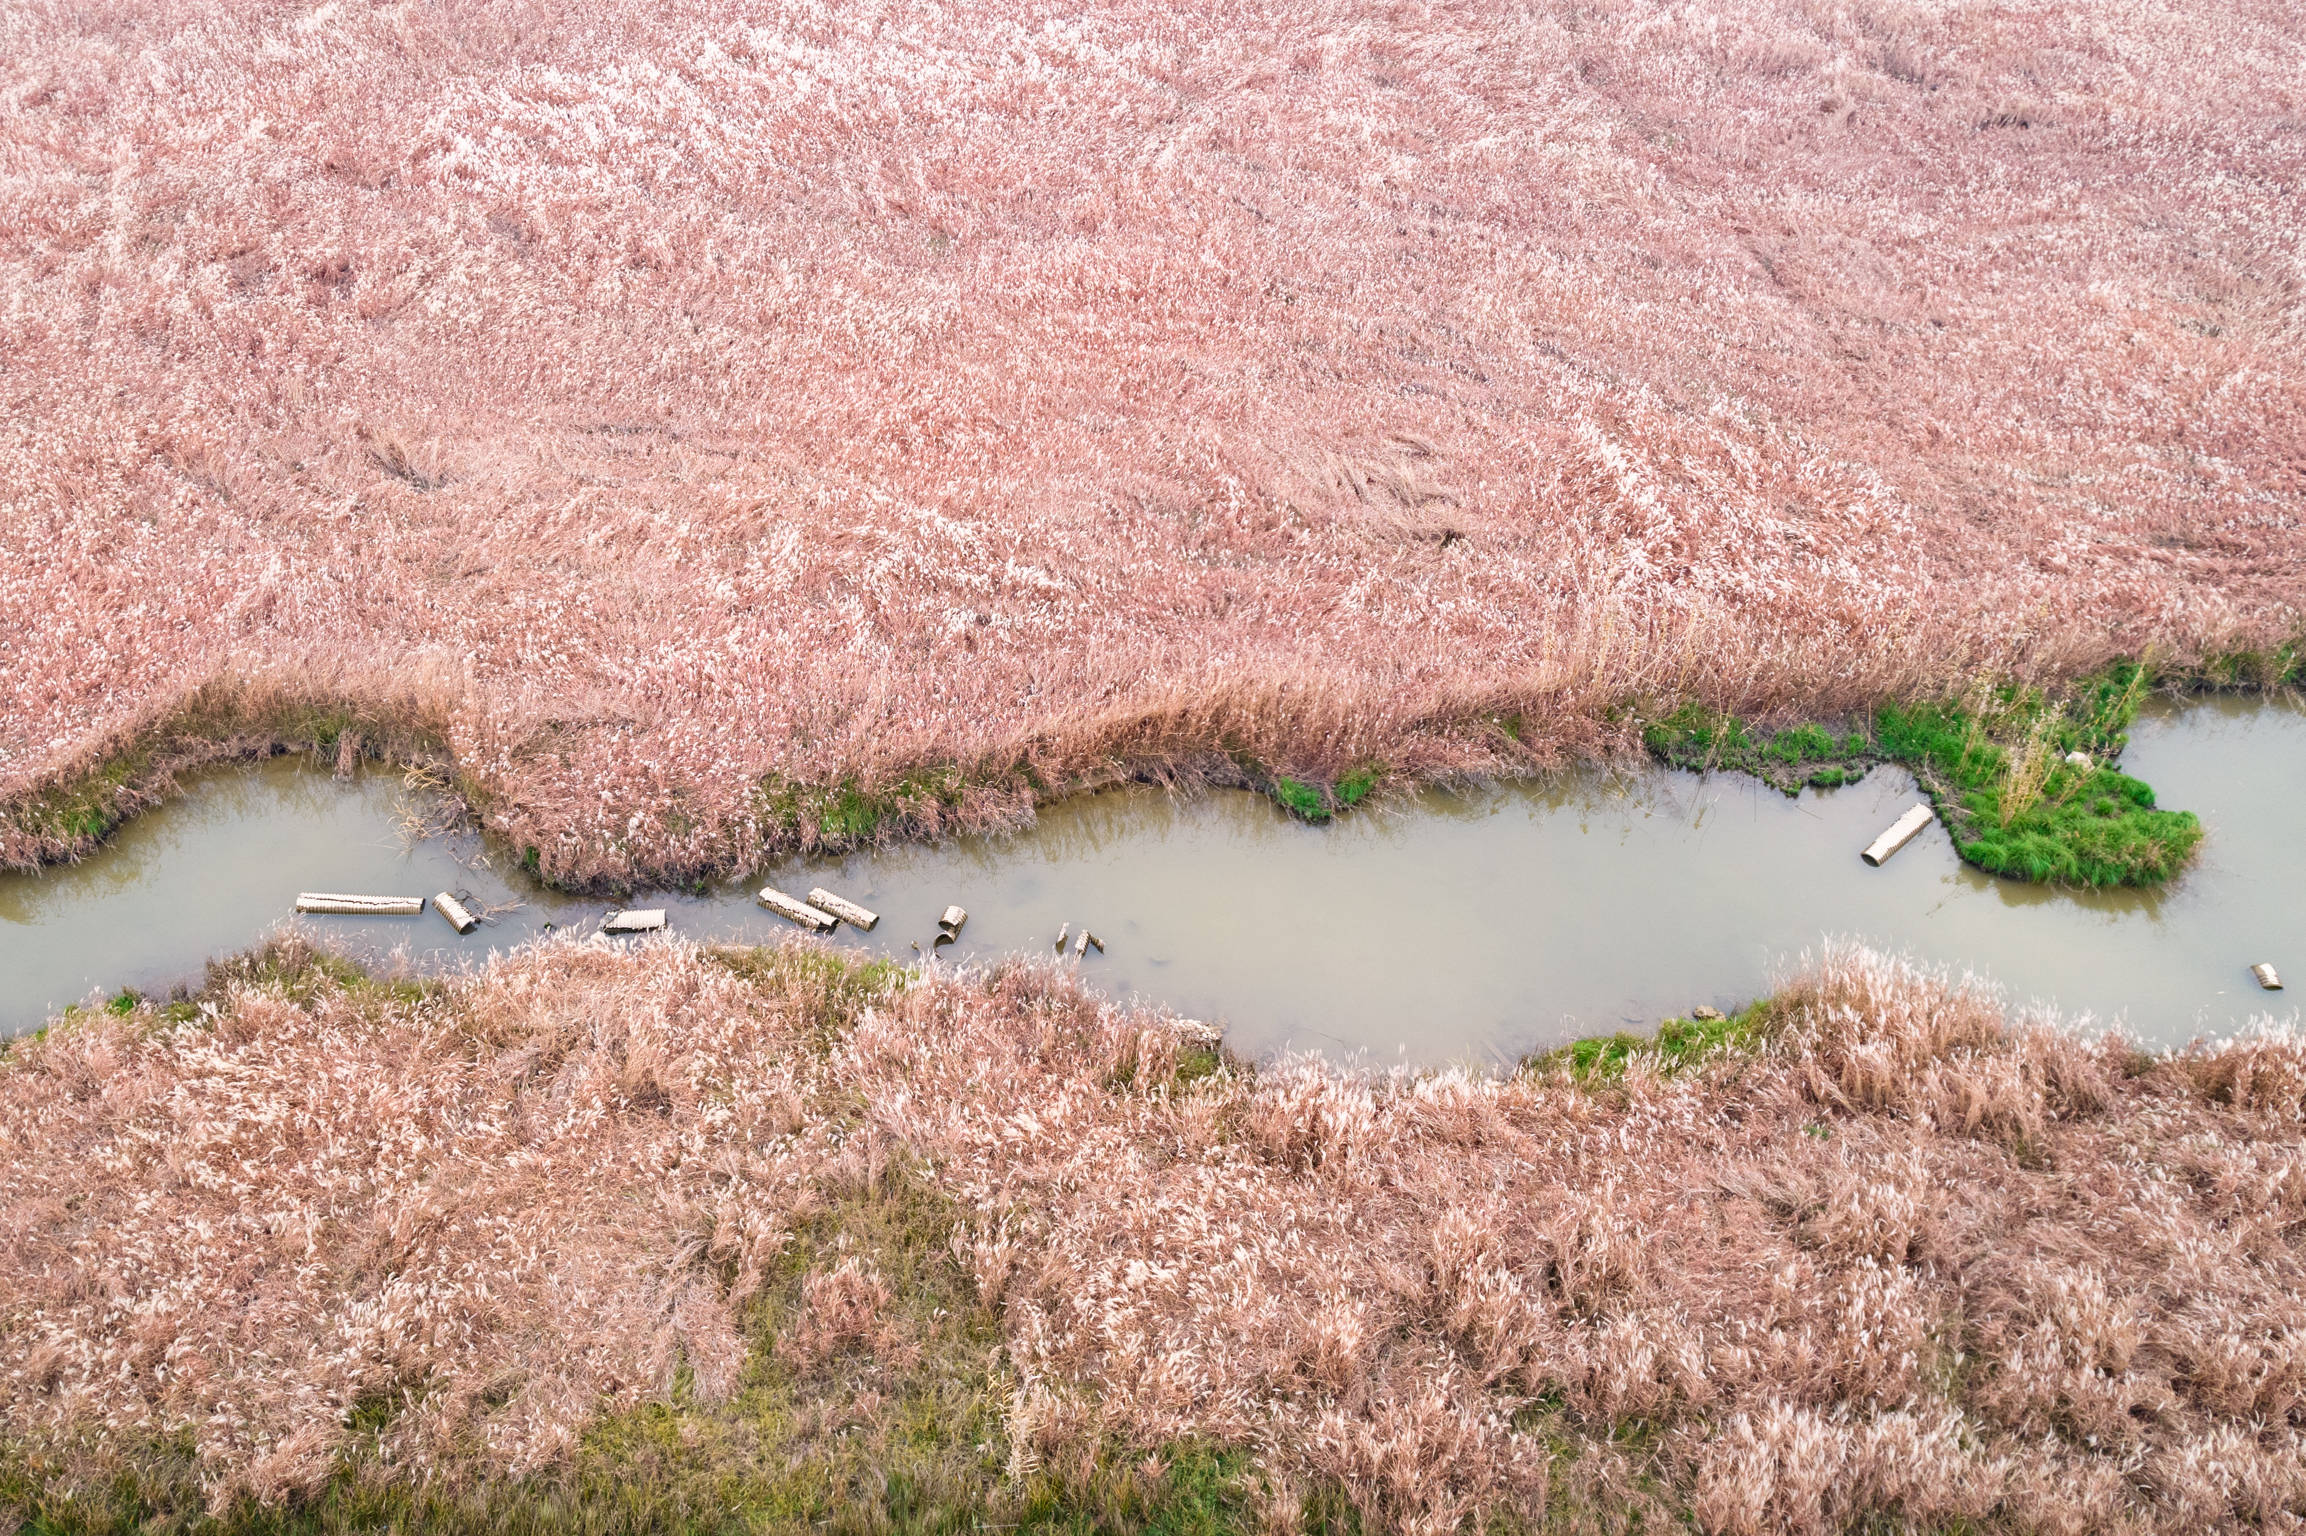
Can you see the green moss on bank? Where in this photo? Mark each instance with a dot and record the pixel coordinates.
(66, 817)
(1320, 802)
(1678, 1045)
(1998, 766)
(847, 813)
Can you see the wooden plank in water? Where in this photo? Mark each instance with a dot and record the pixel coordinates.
(640, 920)
(844, 909)
(796, 909)
(458, 914)
(359, 906)
(1901, 832)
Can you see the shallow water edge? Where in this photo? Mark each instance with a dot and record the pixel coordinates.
(1470, 926)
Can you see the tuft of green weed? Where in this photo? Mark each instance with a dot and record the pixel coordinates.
(1316, 802)
(1301, 799)
(1705, 740)
(1678, 1045)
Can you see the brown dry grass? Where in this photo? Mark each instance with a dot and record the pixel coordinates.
(1908, 1259)
(696, 393)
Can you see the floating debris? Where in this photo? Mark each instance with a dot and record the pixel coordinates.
(1092, 941)
(796, 909)
(1901, 832)
(458, 914)
(953, 919)
(359, 906)
(844, 909)
(2266, 977)
(943, 938)
(643, 920)
(1063, 930)
(1081, 945)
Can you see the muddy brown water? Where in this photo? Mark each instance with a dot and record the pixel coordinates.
(1445, 927)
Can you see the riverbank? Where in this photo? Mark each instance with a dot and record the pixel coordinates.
(1573, 902)
(1992, 758)
(676, 1239)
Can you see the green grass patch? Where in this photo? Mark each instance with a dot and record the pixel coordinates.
(1319, 802)
(1678, 1045)
(1703, 740)
(848, 813)
(1998, 772)
(1299, 798)
(1995, 766)
(223, 719)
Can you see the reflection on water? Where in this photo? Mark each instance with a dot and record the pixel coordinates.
(1470, 926)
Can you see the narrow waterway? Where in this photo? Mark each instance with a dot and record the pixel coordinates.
(1445, 927)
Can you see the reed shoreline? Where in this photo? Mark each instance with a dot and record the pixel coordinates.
(67, 818)
(657, 1237)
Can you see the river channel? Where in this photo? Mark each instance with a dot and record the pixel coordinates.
(1448, 926)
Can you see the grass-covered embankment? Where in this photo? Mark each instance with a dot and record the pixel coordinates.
(2022, 776)
(227, 718)
(671, 1239)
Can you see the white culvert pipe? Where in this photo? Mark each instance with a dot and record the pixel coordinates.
(843, 908)
(458, 914)
(359, 906)
(953, 919)
(2266, 977)
(1901, 832)
(640, 920)
(796, 909)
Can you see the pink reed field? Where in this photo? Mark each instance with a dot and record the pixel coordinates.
(652, 400)
(1904, 1262)
(682, 426)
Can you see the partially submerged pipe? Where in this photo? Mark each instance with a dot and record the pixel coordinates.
(643, 920)
(798, 910)
(953, 919)
(843, 908)
(1901, 832)
(359, 906)
(2266, 977)
(458, 914)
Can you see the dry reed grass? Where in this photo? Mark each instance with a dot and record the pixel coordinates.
(692, 394)
(1910, 1260)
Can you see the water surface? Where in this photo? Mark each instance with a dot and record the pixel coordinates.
(1444, 927)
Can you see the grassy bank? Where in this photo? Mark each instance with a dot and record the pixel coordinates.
(1994, 762)
(668, 1239)
(2021, 776)
(224, 720)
